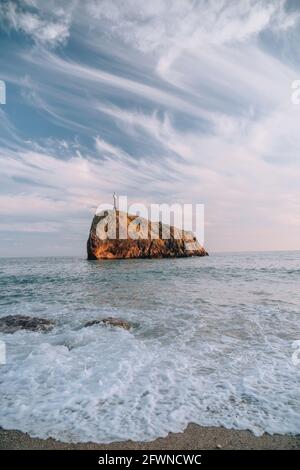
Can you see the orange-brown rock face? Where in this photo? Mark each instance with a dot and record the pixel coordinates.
(144, 239)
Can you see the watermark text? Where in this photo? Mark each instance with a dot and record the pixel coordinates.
(2, 92)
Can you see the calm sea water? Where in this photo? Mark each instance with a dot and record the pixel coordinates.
(212, 343)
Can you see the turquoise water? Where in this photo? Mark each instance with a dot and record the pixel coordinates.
(212, 343)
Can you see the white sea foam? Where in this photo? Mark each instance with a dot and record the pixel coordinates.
(102, 385)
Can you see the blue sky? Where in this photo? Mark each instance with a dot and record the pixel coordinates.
(162, 101)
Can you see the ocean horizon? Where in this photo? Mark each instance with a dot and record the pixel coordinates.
(211, 253)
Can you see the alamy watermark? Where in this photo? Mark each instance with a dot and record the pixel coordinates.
(295, 97)
(153, 221)
(2, 92)
(296, 353)
(2, 353)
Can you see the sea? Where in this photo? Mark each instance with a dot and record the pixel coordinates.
(214, 341)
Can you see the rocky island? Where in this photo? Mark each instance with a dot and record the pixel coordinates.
(144, 239)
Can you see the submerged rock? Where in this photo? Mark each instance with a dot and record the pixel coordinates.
(13, 323)
(146, 239)
(110, 321)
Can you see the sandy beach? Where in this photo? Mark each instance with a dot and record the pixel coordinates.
(194, 437)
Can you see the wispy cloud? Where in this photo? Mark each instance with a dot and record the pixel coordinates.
(34, 227)
(42, 31)
(165, 102)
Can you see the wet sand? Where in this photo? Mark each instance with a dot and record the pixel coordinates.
(194, 437)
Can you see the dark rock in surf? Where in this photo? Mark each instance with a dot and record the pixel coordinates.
(119, 322)
(13, 323)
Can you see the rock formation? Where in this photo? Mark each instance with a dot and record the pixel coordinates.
(13, 323)
(110, 321)
(144, 239)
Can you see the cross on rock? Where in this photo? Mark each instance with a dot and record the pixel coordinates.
(115, 198)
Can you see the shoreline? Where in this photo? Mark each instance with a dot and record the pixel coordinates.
(193, 438)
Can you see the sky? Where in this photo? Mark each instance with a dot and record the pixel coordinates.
(163, 101)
